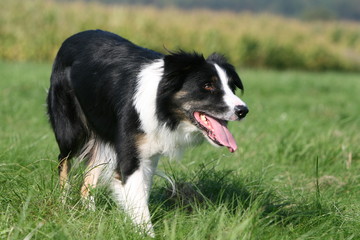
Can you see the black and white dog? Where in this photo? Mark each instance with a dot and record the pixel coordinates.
(121, 107)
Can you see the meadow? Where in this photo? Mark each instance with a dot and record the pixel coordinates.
(294, 176)
(34, 30)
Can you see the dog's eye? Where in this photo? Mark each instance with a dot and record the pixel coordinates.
(209, 86)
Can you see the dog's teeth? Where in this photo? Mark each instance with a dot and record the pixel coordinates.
(203, 118)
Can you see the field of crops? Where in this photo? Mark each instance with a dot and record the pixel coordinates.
(294, 176)
(34, 30)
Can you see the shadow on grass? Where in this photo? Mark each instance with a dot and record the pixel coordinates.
(208, 187)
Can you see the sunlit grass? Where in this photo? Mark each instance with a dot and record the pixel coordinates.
(269, 189)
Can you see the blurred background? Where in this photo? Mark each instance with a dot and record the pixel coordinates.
(280, 34)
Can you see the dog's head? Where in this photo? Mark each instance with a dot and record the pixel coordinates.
(201, 91)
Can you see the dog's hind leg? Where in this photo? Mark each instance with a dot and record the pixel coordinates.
(101, 159)
(64, 167)
(90, 182)
(99, 155)
(66, 118)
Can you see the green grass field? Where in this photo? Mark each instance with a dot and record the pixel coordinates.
(296, 174)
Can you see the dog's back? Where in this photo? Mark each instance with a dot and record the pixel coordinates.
(88, 71)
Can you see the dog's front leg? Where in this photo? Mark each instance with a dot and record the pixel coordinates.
(133, 195)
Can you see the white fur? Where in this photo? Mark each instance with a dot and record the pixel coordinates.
(166, 142)
(133, 196)
(159, 138)
(229, 97)
(103, 159)
(145, 95)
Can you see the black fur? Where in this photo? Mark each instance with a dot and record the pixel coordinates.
(96, 69)
(93, 82)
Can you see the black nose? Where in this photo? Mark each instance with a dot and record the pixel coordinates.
(241, 111)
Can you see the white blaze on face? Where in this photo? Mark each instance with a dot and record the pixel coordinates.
(230, 98)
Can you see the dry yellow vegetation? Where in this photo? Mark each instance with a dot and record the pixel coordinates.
(34, 30)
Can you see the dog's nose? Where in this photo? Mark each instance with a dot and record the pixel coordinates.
(241, 111)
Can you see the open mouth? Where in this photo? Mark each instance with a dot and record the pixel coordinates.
(216, 130)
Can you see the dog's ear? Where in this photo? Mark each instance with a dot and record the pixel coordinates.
(233, 76)
(230, 70)
(176, 66)
(217, 58)
(182, 62)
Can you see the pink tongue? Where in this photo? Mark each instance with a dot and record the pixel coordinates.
(222, 134)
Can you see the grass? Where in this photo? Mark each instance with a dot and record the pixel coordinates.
(294, 176)
(255, 40)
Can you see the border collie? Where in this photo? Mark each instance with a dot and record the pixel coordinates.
(121, 107)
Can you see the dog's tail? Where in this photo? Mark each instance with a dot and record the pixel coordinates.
(65, 114)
